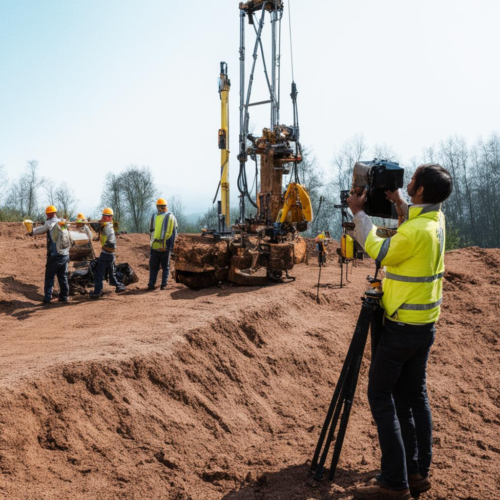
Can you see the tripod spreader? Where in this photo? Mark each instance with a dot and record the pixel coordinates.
(343, 396)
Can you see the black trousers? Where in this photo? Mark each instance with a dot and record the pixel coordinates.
(157, 259)
(397, 393)
(105, 266)
(56, 266)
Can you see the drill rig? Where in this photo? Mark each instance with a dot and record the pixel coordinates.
(264, 244)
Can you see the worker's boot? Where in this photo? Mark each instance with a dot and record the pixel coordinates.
(150, 288)
(419, 483)
(120, 289)
(95, 295)
(163, 287)
(65, 300)
(374, 490)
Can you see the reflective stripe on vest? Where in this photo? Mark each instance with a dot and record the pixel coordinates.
(421, 307)
(383, 250)
(413, 279)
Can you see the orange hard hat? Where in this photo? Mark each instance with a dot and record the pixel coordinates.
(51, 209)
(107, 211)
(162, 202)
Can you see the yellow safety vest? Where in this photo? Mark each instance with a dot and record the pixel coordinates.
(414, 260)
(163, 227)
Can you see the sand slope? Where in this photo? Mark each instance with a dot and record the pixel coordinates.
(221, 393)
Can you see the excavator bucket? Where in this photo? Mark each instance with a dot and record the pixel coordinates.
(297, 207)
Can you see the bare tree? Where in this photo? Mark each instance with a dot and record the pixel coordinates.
(31, 183)
(176, 206)
(23, 194)
(113, 196)
(209, 219)
(65, 201)
(50, 192)
(139, 193)
(385, 152)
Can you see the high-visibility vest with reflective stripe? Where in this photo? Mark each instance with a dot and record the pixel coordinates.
(414, 260)
(162, 228)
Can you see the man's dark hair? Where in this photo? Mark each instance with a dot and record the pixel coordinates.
(435, 180)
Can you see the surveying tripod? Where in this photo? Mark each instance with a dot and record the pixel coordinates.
(343, 396)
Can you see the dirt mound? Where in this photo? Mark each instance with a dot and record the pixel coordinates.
(221, 393)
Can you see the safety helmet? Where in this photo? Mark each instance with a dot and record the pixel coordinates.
(162, 202)
(80, 216)
(107, 211)
(51, 209)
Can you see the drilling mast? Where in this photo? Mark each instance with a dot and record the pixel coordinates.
(278, 147)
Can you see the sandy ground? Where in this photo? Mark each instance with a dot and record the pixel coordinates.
(221, 393)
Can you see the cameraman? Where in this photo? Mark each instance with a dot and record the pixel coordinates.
(414, 261)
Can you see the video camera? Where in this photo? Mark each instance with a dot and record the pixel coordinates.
(378, 176)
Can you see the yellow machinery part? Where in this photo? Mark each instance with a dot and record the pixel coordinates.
(297, 206)
(224, 87)
(347, 246)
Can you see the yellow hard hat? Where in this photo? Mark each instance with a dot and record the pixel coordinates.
(80, 216)
(107, 211)
(162, 202)
(51, 209)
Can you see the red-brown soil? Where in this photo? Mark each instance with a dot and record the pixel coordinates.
(221, 393)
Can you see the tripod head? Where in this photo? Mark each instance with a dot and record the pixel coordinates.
(374, 292)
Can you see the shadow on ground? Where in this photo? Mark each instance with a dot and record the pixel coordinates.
(297, 483)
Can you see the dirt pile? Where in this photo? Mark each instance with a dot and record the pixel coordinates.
(221, 393)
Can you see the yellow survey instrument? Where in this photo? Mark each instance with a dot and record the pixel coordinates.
(28, 224)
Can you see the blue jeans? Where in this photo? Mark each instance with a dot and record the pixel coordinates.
(397, 393)
(105, 266)
(57, 265)
(157, 259)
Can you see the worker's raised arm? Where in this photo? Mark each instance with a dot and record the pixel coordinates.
(43, 229)
(389, 251)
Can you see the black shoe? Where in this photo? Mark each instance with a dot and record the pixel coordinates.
(151, 288)
(95, 295)
(163, 287)
(46, 302)
(120, 289)
(63, 299)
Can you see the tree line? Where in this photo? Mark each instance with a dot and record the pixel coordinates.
(472, 211)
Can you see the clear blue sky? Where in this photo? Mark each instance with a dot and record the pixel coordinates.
(90, 86)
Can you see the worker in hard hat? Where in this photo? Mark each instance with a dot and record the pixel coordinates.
(321, 247)
(83, 227)
(105, 261)
(163, 229)
(57, 255)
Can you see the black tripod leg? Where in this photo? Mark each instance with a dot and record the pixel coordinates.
(351, 391)
(376, 328)
(360, 333)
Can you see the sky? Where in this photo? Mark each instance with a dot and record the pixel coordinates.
(91, 86)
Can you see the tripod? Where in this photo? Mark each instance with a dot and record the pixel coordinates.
(343, 396)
